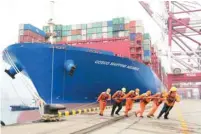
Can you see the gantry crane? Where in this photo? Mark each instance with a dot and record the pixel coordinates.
(181, 23)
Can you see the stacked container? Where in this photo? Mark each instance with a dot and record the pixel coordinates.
(30, 33)
(146, 47)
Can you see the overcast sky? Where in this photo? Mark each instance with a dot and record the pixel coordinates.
(37, 12)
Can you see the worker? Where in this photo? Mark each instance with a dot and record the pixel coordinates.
(102, 99)
(170, 100)
(130, 98)
(157, 101)
(144, 100)
(118, 98)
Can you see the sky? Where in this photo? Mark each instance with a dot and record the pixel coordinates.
(37, 12)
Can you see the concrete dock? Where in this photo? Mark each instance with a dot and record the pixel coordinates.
(184, 118)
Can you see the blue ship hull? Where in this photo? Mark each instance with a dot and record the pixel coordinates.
(95, 72)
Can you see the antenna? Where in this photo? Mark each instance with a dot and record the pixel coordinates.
(51, 22)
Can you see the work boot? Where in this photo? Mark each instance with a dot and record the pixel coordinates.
(165, 117)
(117, 113)
(141, 116)
(158, 117)
(126, 115)
(152, 115)
(135, 114)
(101, 114)
(149, 116)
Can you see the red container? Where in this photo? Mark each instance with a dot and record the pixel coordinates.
(132, 24)
(126, 26)
(64, 39)
(132, 30)
(78, 31)
(74, 32)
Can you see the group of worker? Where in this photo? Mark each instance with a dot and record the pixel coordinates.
(168, 97)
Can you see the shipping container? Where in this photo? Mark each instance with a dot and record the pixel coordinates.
(147, 53)
(139, 23)
(73, 27)
(64, 33)
(74, 32)
(147, 41)
(84, 26)
(115, 34)
(147, 58)
(110, 34)
(121, 34)
(78, 31)
(104, 24)
(118, 27)
(89, 25)
(32, 28)
(58, 39)
(126, 33)
(132, 36)
(99, 30)
(69, 27)
(126, 26)
(64, 39)
(105, 35)
(104, 29)
(109, 29)
(58, 33)
(84, 32)
(21, 32)
(132, 30)
(69, 33)
(91, 30)
(84, 37)
(94, 36)
(139, 29)
(109, 23)
(118, 20)
(58, 27)
(74, 37)
(132, 24)
(99, 35)
(64, 28)
(146, 47)
(146, 36)
(79, 37)
(69, 38)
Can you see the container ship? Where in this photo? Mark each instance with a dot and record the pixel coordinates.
(85, 59)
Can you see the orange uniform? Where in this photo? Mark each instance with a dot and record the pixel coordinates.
(156, 103)
(143, 102)
(102, 99)
(130, 97)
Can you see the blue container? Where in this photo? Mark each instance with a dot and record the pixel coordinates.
(132, 36)
(109, 23)
(121, 27)
(147, 53)
(34, 29)
(58, 33)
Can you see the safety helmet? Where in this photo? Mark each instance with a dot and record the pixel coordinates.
(164, 91)
(108, 90)
(173, 89)
(137, 90)
(131, 91)
(148, 92)
(123, 89)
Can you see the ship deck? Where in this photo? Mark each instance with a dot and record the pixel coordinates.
(185, 118)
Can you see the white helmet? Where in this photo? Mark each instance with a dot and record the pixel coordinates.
(123, 89)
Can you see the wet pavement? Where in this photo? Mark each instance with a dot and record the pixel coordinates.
(185, 118)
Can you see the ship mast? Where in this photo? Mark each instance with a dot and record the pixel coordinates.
(51, 22)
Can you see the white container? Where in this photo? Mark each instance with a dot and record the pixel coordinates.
(104, 35)
(104, 24)
(69, 38)
(147, 41)
(21, 32)
(139, 23)
(126, 33)
(104, 29)
(73, 27)
(78, 26)
(121, 34)
(84, 37)
(126, 20)
(94, 36)
(139, 29)
(89, 25)
(84, 32)
(21, 26)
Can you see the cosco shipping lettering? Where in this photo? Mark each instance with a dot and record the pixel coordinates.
(63, 73)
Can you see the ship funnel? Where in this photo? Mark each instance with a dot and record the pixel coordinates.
(70, 67)
(12, 71)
